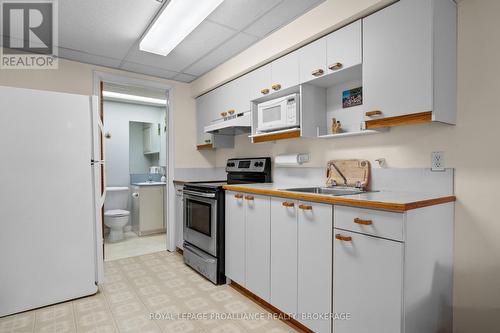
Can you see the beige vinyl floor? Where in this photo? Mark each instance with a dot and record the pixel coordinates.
(137, 287)
(133, 245)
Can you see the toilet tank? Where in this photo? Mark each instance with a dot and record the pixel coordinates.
(116, 198)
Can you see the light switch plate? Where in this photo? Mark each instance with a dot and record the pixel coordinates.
(437, 161)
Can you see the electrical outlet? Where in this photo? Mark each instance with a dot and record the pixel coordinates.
(437, 161)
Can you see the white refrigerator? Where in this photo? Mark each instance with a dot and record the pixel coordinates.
(50, 198)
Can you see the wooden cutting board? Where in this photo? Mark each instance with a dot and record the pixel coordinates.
(355, 172)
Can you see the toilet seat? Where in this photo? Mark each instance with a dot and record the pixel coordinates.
(116, 213)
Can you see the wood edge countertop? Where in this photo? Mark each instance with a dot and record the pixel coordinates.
(343, 200)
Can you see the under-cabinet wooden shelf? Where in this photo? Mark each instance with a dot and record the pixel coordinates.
(347, 134)
(276, 135)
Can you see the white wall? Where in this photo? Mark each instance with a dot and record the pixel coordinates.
(471, 147)
(117, 118)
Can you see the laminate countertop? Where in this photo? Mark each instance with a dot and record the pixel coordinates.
(395, 201)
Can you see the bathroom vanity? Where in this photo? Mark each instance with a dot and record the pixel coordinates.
(148, 208)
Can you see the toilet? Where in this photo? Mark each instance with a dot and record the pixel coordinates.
(115, 214)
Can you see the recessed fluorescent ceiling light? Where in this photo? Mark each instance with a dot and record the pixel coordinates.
(178, 19)
(134, 98)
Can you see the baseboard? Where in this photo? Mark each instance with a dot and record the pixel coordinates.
(287, 320)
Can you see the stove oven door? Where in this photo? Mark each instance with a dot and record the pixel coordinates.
(200, 220)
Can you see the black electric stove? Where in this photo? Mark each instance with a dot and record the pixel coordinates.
(204, 215)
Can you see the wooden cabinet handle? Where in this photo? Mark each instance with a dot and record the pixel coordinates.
(288, 204)
(264, 91)
(363, 222)
(238, 196)
(373, 113)
(343, 238)
(276, 86)
(305, 207)
(335, 66)
(223, 114)
(232, 111)
(249, 197)
(318, 72)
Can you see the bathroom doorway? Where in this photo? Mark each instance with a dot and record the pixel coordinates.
(135, 146)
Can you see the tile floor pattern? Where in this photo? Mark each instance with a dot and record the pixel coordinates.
(135, 288)
(133, 245)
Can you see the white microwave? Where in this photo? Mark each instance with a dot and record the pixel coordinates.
(279, 113)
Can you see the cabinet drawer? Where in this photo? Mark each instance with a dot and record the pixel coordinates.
(371, 222)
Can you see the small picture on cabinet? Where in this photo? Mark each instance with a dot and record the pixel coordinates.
(352, 97)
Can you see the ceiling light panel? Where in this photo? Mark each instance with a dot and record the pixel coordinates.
(176, 22)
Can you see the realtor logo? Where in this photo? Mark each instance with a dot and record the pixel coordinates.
(29, 34)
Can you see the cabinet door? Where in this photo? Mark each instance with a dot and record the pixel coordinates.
(397, 59)
(146, 139)
(312, 60)
(258, 245)
(285, 72)
(343, 47)
(284, 254)
(238, 96)
(315, 263)
(235, 237)
(151, 213)
(202, 119)
(260, 82)
(367, 283)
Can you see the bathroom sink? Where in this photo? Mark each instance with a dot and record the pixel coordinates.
(336, 191)
(148, 183)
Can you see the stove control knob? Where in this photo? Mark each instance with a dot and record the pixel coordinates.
(256, 164)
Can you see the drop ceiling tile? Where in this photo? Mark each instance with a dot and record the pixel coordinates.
(109, 28)
(227, 50)
(183, 77)
(281, 15)
(202, 40)
(240, 13)
(88, 58)
(148, 70)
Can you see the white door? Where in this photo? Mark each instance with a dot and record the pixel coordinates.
(47, 243)
(315, 225)
(343, 47)
(258, 245)
(284, 254)
(397, 59)
(235, 237)
(312, 60)
(260, 82)
(285, 72)
(368, 282)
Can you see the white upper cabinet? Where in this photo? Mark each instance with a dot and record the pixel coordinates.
(409, 59)
(234, 97)
(259, 82)
(203, 114)
(312, 60)
(368, 283)
(343, 47)
(285, 72)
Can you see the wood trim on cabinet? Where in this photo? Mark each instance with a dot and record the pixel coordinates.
(283, 316)
(408, 119)
(205, 146)
(373, 113)
(276, 136)
(343, 201)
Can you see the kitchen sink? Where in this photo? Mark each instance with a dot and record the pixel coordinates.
(327, 190)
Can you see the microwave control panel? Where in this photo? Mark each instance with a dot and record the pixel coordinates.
(291, 107)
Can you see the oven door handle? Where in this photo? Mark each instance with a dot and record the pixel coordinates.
(200, 194)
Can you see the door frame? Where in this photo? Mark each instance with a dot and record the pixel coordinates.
(169, 202)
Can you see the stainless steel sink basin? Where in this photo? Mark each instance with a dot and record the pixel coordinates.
(327, 190)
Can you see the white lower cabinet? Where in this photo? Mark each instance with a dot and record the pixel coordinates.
(314, 291)
(367, 283)
(248, 241)
(235, 237)
(258, 245)
(284, 254)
